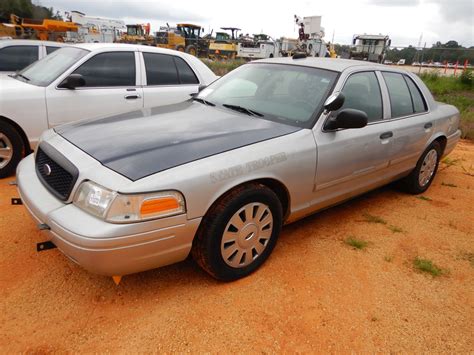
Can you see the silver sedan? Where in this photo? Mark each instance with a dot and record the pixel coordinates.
(217, 176)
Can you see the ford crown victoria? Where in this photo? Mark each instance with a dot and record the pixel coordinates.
(218, 175)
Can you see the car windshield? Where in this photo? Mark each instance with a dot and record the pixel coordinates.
(289, 94)
(46, 70)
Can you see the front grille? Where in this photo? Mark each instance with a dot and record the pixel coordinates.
(56, 173)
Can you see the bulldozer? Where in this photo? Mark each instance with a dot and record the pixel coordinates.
(225, 45)
(137, 34)
(45, 30)
(185, 37)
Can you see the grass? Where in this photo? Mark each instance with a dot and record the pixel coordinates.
(426, 265)
(424, 198)
(374, 219)
(356, 243)
(457, 91)
(448, 184)
(450, 162)
(395, 229)
(220, 67)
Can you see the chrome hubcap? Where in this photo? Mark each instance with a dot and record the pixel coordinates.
(428, 167)
(247, 235)
(6, 151)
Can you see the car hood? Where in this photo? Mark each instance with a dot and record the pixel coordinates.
(141, 143)
(7, 83)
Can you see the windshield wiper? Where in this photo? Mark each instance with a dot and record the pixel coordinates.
(243, 110)
(21, 76)
(205, 102)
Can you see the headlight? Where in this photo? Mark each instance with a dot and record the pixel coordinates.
(124, 208)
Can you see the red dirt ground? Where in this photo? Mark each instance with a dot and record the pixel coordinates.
(315, 293)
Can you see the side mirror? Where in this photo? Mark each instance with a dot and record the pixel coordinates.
(334, 102)
(72, 82)
(347, 118)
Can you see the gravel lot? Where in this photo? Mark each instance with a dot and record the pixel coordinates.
(315, 293)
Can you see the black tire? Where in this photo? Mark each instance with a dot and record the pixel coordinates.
(411, 183)
(206, 249)
(17, 146)
(179, 48)
(190, 49)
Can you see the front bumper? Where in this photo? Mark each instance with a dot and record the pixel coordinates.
(101, 247)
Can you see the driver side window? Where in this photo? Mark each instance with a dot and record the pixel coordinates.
(362, 92)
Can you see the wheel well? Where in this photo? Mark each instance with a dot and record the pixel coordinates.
(276, 186)
(442, 141)
(20, 131)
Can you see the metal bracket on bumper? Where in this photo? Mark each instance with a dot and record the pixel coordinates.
(16, 201)
(45, 246)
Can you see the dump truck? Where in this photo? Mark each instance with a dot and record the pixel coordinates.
(371, 48)
(225, 45)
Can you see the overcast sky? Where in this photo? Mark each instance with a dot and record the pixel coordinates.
(403, 20)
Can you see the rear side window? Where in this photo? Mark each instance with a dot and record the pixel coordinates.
(50, 50)
(163, 69)
(186, 74)
(400, 97)
(109, 69)
(362, 92)
(160, 69)
(419, 104)
(17, 57)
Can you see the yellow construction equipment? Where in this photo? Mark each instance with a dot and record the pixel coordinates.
(138, 34)
(45, 30)
(225, 46)
(185, 37)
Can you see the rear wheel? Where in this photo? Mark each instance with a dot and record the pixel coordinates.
(239, 232)
(422, 176)
(11, 149)
(191, 50)
(179, 48)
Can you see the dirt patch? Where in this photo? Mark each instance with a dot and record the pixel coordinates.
(315, 293)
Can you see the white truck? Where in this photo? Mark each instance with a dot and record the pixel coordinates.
(95, 29)
(310, 36)
(259, 47)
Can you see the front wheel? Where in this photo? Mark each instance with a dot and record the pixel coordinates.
(239, 232)
(422, 176)
(11, 149)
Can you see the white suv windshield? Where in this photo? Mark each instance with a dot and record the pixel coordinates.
(290, 94)
(46, 70)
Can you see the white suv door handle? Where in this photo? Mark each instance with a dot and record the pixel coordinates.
(132, 96)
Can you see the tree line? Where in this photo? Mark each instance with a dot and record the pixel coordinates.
(25, 8)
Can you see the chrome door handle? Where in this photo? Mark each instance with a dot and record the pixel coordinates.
(132, 97)
(386, 135)
(428, 125)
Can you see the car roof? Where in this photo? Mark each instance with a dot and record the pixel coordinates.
(137, 47)
(334, 64)
(30, 42)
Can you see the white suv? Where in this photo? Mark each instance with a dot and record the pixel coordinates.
(17, 54)
(89, 81)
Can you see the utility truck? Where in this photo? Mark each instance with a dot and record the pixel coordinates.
(371, 48)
